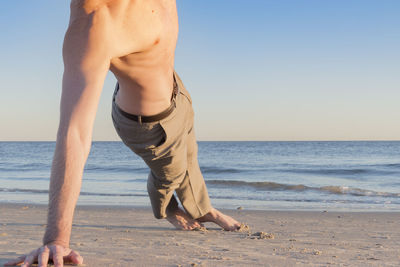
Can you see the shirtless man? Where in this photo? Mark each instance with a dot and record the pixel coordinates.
(136, 40)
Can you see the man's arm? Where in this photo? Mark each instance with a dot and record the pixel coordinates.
(86, 62)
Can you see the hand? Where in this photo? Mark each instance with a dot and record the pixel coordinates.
(58, 254)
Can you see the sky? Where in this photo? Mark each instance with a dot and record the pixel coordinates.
(256, 69)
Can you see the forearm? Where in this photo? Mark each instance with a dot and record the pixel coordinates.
(65, 183)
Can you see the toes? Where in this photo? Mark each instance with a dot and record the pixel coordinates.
(199, 223)
(196, 224)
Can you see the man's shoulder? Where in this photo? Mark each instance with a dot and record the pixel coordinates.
(82, 10)
(88, 6)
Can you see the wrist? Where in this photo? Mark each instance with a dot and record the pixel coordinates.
(52, 240)
(56, 242)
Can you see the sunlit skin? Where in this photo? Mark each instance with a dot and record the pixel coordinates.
(136, 40)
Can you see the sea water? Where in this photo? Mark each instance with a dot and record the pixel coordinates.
(351, 176)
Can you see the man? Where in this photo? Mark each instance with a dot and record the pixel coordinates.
(152, 114)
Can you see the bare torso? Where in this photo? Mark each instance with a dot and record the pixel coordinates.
(143, 39)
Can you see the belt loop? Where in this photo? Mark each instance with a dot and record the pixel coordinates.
(115, 91)
(140, 119)
(175, 90)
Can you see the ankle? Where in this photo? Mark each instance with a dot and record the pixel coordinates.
(213, 213)
(171, 212)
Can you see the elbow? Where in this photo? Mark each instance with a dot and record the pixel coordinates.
(75, 137)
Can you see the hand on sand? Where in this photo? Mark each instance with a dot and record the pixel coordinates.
(225, 221)
(58, 254)
(182, 221)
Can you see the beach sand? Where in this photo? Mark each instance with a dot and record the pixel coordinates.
(124, 236)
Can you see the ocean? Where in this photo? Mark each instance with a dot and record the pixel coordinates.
(334, 176)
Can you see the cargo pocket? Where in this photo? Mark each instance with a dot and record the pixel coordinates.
(146, 139)
(143, 139)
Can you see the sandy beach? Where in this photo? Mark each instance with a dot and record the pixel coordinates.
(123, 236)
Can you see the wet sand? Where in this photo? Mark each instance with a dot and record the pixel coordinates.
(122, 236)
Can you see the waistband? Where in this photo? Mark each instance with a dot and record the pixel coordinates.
(152, 118)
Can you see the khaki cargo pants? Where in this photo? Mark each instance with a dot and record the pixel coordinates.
(169, 148)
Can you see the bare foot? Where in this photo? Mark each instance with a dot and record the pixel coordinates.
(225, 221)
(181, 220)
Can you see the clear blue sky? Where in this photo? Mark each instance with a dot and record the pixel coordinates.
(257, 70)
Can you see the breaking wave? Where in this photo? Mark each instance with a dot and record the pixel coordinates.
(333, 189)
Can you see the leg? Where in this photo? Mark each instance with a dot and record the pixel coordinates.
(212, 215)
(174, 164)
(191, 188)
(192, 191)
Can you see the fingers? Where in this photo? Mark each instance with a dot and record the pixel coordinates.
(74, 257)
(30, 258)
(57, 252)
(43, 254)
(43, 257)
(16, 261)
